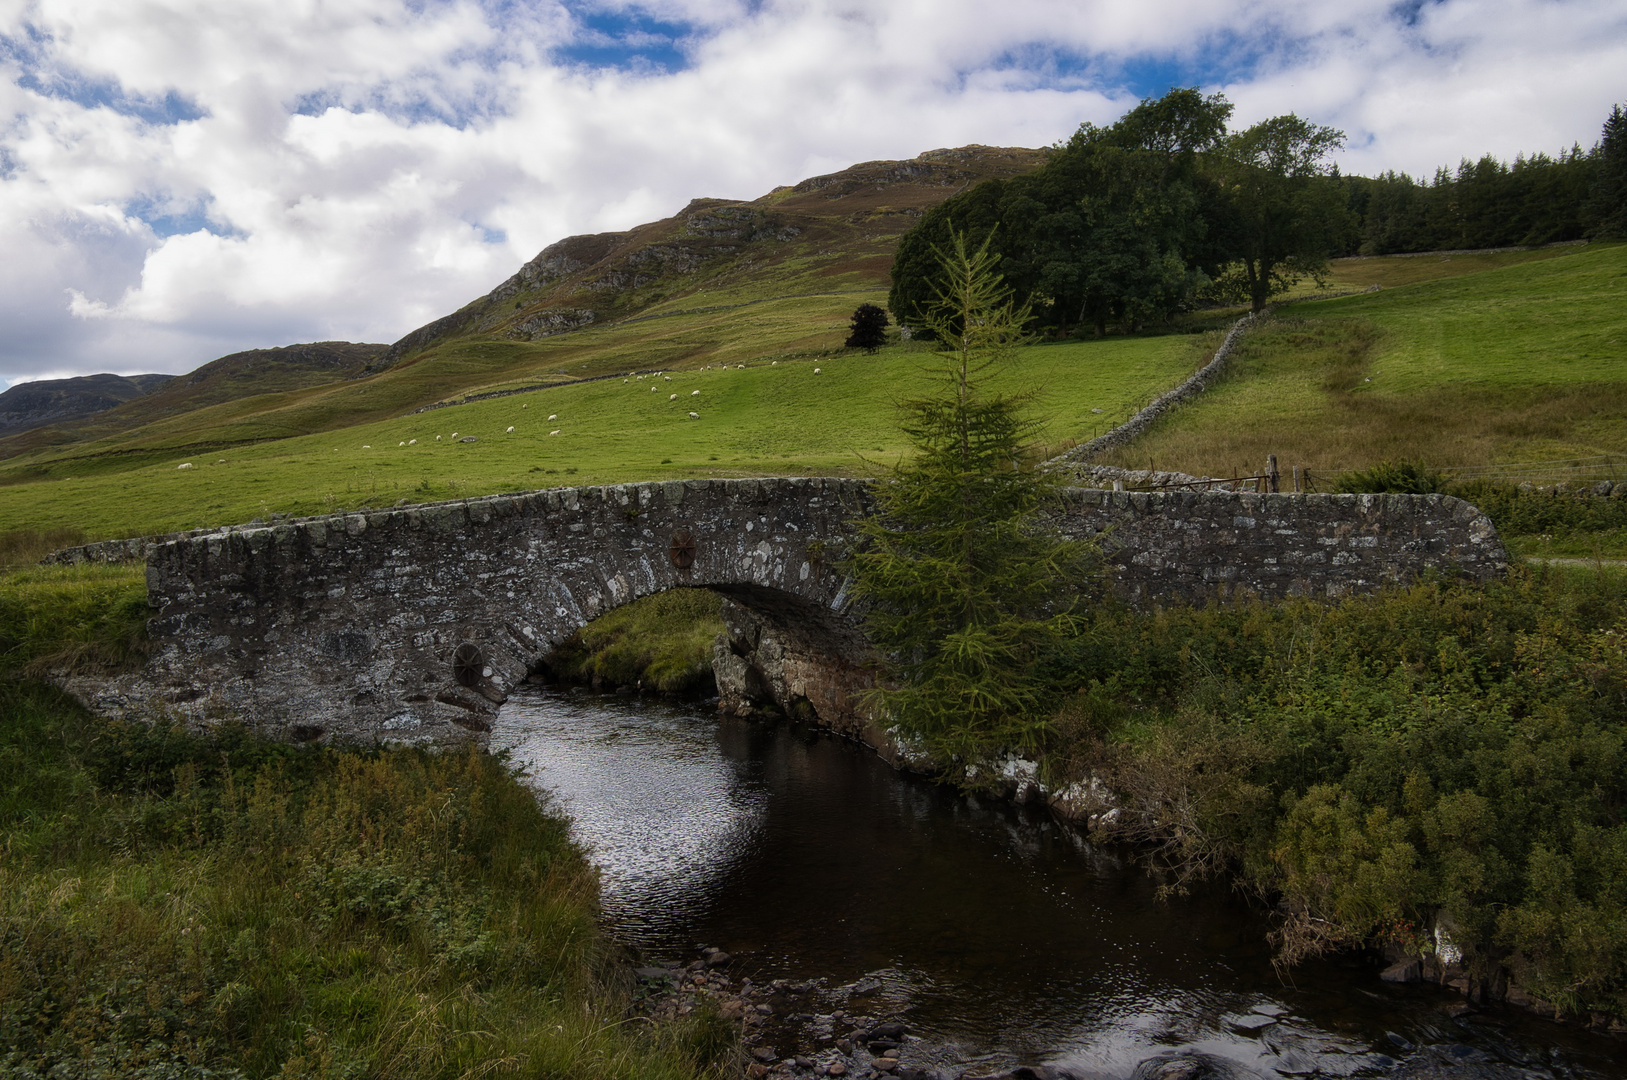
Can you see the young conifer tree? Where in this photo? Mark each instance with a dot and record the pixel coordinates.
(967, 589)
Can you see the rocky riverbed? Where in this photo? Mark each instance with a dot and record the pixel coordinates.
(810, 1028)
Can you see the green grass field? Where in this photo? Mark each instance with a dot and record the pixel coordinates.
(1525, 358)
(830, 416)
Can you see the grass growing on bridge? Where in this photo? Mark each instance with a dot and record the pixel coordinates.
(767, 419)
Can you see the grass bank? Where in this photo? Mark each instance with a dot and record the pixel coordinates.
(201, 906)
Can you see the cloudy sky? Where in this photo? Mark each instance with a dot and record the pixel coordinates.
(180, 179)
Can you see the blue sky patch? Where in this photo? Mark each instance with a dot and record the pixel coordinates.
(168, 219)
(90, 91)
(627, 41)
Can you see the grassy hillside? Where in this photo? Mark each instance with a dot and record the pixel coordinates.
(830, 416)
(1524, 358)
(720, 281)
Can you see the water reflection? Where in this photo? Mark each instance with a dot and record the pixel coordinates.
(998, 931)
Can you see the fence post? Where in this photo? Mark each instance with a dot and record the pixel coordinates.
(1296, 479)
(1273, 479)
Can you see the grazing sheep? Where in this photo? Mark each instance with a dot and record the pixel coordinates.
(553, 416)
(773, 363)
(652, 389)
(403, 443)
(554, 432)
(412, 442)
(454, 434)
(694, 416)
(667, 377)
(437, 438)
(367, 446)
(816, 371)
(525, 406)
(510, 430)
(674, 397)
(184, 465)
(692, 393)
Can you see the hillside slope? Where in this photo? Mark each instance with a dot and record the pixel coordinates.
(1522, 359)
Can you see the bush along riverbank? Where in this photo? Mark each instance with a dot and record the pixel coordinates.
(213, 905)
(1439, 771)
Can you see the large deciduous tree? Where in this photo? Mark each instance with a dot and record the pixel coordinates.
(1112, 229)
(967, 589)
(1283, 212)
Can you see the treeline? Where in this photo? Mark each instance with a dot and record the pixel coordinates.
(1485, 204)
(1166, 210)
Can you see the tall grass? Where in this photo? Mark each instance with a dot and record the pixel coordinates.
(200, 906)
(72, 617)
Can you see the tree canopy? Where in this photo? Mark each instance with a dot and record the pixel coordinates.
(1127, 224)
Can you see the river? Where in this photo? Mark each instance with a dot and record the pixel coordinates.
(990, 929)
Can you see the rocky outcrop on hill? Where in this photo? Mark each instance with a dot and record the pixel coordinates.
(836, 221)
(31, 404)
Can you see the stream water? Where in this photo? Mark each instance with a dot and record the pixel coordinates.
(994, 931)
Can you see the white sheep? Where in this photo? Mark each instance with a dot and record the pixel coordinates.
(454, 434)
(412, 442)
(553, 416)
(693, 393)
(184, 465)
(652, 389)
(554, 432)
(525, 406)
(402, 443)
(694, 416)
(773, 363)
(674, 397)
(367, 446)
(510, 430)
(437, 438)
(667, 377)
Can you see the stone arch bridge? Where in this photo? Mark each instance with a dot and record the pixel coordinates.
(414, 624)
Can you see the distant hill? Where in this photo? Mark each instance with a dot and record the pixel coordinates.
(844, 225)
(31, 404)
(234, 377)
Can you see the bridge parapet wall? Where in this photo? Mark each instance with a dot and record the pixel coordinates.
(1187, 546)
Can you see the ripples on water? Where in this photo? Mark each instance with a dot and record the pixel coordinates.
(986, 927)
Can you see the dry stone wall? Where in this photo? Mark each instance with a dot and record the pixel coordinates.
(412, 625)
